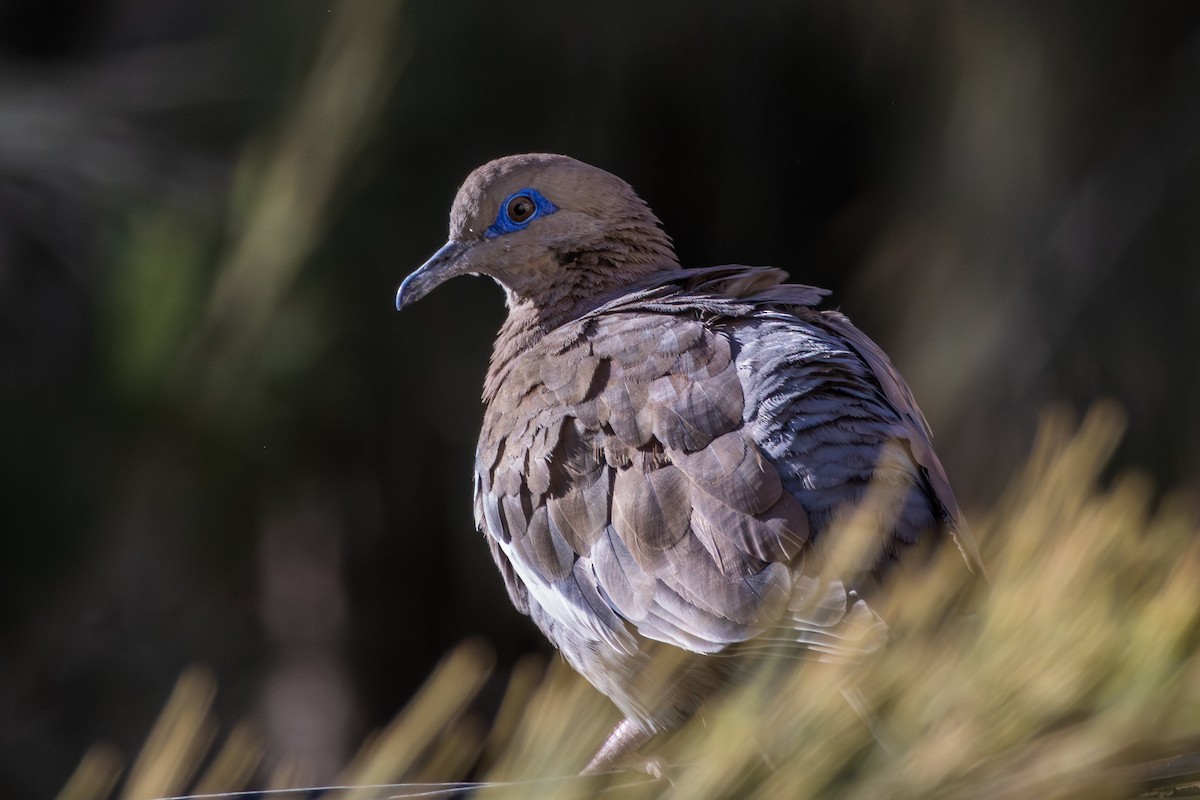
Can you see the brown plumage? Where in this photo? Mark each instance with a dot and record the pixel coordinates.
(663, 450)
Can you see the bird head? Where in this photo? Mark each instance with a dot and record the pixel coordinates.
(547, 228)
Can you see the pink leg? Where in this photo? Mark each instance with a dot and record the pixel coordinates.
(625, 738)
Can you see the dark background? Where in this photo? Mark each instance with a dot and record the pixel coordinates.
(220, 443)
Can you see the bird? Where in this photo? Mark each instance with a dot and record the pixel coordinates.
(667, 453)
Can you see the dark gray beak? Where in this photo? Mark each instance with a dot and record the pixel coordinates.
(441, 267)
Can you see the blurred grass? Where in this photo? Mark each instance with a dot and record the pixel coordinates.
(1077, 666)
(214, 336)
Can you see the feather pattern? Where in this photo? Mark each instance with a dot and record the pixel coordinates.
(688, 448)
(664, 451)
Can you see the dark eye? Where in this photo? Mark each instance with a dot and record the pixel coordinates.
(520, 208)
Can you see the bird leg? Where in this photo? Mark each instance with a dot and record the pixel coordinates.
(854, 698)
(627, 737)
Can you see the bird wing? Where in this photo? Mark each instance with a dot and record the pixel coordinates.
(827, 399)
(660, 463)
(916, 431)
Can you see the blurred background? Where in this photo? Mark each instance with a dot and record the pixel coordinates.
(222, 446)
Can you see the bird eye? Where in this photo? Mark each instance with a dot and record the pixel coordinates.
(520, 208)
(517, 210)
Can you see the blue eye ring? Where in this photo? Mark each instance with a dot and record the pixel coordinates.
(518, 210)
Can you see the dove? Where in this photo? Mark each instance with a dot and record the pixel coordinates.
(666, 453)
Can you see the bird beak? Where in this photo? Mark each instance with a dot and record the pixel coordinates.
(441, 267)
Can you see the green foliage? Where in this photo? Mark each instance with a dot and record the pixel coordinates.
(155, 292)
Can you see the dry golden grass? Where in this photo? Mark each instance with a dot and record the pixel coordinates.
(1067, 676)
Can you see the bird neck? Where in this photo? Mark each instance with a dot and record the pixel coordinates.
(581, 282)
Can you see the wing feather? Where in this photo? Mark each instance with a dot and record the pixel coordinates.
(664, 465)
